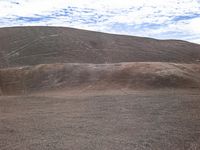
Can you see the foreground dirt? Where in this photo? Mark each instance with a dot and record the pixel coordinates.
(109, 120)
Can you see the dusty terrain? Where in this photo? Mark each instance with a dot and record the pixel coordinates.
(112, 120)
(64, 88)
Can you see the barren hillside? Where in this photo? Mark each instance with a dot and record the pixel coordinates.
(34, 59)
(21, 46)
(138, 75)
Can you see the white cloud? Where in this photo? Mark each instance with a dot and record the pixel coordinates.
(155, 18)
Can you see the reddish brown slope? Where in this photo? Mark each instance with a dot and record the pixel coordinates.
(60, 58)
(21, 46)
(90, 76)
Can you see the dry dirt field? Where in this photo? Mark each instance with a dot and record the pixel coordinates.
(103, 120)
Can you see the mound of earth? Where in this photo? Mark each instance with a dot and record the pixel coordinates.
(21, 80)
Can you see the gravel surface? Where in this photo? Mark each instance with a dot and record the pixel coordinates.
(157, 120)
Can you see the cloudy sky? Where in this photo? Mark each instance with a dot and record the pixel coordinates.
(164, 19)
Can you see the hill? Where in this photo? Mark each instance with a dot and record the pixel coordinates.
(21, 46)
(35, 59)
(80, 77)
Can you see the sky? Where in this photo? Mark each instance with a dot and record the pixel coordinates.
(162, 19)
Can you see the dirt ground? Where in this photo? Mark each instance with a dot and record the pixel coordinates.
(120, 120)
